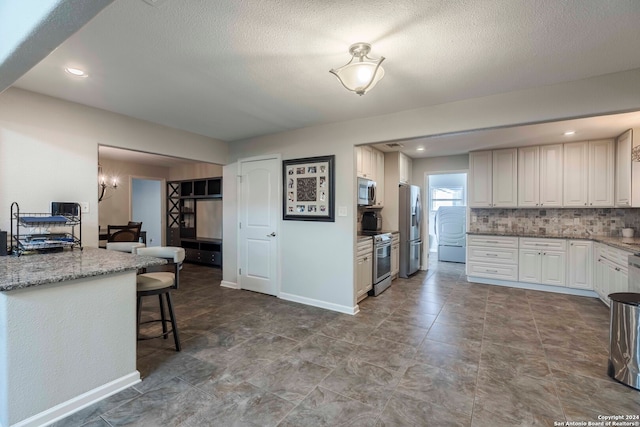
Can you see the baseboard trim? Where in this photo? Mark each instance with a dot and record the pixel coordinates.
(318, 303)
(534, 286)
(77, 403)
(230, 285)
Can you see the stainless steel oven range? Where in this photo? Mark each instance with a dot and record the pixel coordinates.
(381, 263)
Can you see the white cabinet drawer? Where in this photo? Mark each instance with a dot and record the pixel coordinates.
(492, 241)
(497, 255)
(549, 244)
(364, 248)
(493, 271)
(617, 256)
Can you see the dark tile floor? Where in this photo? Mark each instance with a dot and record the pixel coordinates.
(433, 350)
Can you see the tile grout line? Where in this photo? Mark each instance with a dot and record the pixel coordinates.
(484, 325)
(546, 358)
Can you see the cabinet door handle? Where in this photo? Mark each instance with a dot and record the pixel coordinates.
(541, 204)
(585, 204)
(492, 254)
(492, 271)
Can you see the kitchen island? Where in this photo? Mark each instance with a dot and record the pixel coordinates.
(67, 331)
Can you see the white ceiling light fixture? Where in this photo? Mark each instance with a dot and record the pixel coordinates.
(361, 73)
(77, 72)
(570, 133)
(420, 149)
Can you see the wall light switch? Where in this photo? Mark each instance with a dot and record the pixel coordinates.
(342, 211)
(84, 207)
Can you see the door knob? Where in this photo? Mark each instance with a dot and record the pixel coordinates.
(272, 234)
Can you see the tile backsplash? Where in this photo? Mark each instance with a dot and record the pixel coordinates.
(555, 222)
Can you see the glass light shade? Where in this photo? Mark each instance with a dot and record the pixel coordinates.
(360, 77)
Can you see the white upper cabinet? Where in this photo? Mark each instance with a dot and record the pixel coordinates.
(370, 165)
(493, 178)
(576, 174)
(365, 162)
(529, 176)
(479, 187)
(601, 173)
(505, 178)
(623, 170)
(405, 169)
(551, 173)
(588, 173)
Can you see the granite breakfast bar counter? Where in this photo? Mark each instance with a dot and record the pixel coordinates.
(67, 331)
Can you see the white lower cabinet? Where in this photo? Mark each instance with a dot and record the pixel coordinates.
(611, 271)
(542, 261)
(492, 257)
(530, 264)
(580, 267)
(364, 268)
(395, 255)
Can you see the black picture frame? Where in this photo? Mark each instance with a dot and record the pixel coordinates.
(309, 189)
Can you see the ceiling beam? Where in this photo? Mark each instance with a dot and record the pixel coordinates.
(30, 30)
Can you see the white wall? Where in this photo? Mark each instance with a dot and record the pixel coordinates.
(229, 225)
(49, 151)
(321, 272)
(327, 268)
(431, 165)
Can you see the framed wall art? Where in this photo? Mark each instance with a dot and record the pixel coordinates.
(309, 189)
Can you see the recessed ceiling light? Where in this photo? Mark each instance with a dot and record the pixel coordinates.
(76, 72)
(420, 149)
(570, 132)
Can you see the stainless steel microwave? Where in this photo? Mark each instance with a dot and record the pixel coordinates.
(366, 192)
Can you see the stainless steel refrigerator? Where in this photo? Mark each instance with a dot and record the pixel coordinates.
(410, 218)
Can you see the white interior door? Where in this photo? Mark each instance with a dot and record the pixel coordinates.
(258, 215)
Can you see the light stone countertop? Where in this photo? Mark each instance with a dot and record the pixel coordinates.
(40, 269)
(631, 244)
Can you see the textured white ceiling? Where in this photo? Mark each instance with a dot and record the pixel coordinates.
(232, 69)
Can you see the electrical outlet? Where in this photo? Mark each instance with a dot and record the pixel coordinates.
(342, 211)
(84, 207)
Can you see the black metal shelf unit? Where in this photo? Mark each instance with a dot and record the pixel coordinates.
(182, 197)
(47, 232)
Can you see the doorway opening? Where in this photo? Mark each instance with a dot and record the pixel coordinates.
(146, 207)
(447, 194)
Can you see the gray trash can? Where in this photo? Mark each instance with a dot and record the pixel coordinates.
(624, 339)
